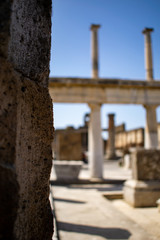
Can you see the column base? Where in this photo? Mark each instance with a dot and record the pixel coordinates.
(142, 193)
(111, 157)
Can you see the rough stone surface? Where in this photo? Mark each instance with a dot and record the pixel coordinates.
(25, 120)
(85, 90)
(67, 170)
(144, 189)
(142, 193)
(33, 160)
(145, 164)
(69, 146)
(30, 33)
(8, 179)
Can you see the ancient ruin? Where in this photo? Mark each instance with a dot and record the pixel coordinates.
(97, 91)
(26, 120)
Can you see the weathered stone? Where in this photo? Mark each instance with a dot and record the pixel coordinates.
(111, 138)
(31, 35)
(33, 161)
(25, 120)
(8, 117)
(67, 170)
(95, 142)
(144, 189)
(145, 164)
(141, 193)
(85, 90)
(148, 53)
(94, 28)
(68, 145)
(151, 131)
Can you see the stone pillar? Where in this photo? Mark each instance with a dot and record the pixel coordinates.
(26, 124)
(151, 131)
(94, 43)
(151, 134)
(95, 142)
(143, 190)
(148, 53)
(111, 138)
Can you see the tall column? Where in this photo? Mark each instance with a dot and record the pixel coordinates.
(111, 138)
(151, 134)
(148, 53)
(94, 44)
(95, 142)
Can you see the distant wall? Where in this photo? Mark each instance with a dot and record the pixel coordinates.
(132, 138)
(68, 145)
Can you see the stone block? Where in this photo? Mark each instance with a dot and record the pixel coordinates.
(69, 145)
(33, 160)
(146, 164)
(29, 49)
(141, 193)
(67, 170)
(26, 120)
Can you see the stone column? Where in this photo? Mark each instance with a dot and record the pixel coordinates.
(95, 142)
(148, 53)
(111, 138)
(151, 132)
(94, 43)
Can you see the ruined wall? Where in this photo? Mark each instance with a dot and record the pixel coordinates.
(26, 120)
(132, 138)
(68, 145)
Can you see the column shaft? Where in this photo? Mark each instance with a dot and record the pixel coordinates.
(151, 134)
(95, 142)
(148, 54)
(111, 138)
(94, 49)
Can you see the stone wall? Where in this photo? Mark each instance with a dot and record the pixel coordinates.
(132, 138)
(68, 145)
(26, 124)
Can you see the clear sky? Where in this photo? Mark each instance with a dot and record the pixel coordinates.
(121, 50)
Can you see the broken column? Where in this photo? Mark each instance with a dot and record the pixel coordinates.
(95, 142)
(111, 137)
(144, 188)
(94, 43)
(26, 120)
(151, 132)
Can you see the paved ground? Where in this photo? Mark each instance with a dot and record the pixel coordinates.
(84, 213)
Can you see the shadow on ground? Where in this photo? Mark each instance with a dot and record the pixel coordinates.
(68, 200)
(108, 233)
(101, 188)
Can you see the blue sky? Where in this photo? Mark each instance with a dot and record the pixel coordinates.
(121, 50)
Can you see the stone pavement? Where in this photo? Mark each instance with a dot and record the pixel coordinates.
(82, 211)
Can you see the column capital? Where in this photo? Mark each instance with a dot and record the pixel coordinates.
(94, 105)
(147, 30)
(150, 106)
(95, 27)
(111, 114)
